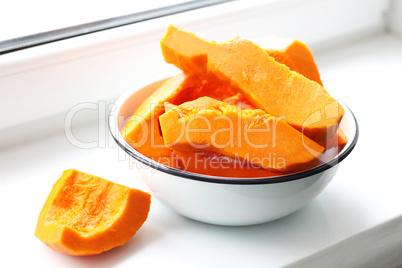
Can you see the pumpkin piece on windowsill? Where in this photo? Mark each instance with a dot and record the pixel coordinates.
(87, 215)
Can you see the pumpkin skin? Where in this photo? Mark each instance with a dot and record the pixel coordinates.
(87, 215)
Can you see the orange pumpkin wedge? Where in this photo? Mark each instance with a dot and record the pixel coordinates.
(142, 129)
(339, 140)
(87, 215)
(293, 53)
(254, 136)
(269, 85)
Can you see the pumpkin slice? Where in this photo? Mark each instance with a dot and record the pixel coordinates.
(252, 135)
(214, 164)
(142, 129)
(339, 141)
(86, 215)
(293, 53)
(269, 85)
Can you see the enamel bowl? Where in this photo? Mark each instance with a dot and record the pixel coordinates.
(221, 200)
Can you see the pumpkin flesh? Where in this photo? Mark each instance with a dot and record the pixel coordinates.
(86, 215)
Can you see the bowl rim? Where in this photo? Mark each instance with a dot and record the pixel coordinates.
(113, 128)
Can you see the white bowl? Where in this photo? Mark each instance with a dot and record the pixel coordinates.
(223, 200)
